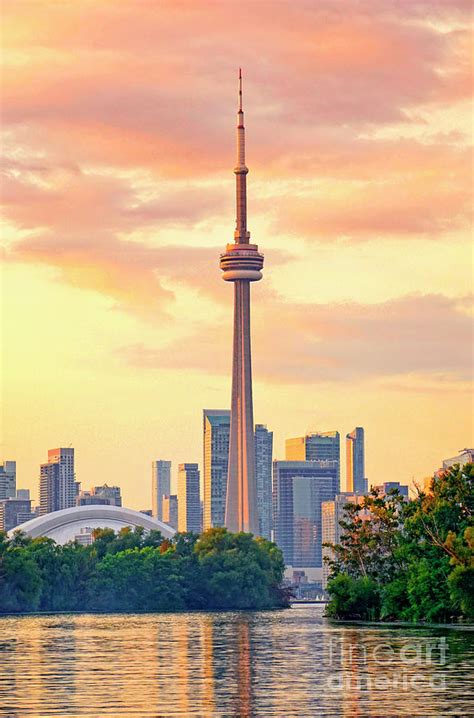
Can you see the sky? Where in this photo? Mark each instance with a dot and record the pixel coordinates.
(118, 196)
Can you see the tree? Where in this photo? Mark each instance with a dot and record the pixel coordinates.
(138, 571)
(419, 553)
(355, 598)
(20, 578)
(370, 538)
(238, 571)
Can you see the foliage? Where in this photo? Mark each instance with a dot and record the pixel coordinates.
(418, 554)
(369, 547)
(138, 571)
(353, 597)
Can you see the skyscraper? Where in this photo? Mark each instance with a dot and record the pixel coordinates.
(299, 488)
(189, 504)
(160, 485)
(216, 428)
(241, 264)
(263, 477)
(355, 461)
(320, 445)
(7, 479)
(170, 510)
(57, 486)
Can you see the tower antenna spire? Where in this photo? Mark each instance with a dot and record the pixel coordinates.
(240, 89)
(241, 234)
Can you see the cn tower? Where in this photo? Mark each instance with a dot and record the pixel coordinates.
(241, 264)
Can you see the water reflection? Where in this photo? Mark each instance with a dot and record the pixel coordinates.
(283, 663)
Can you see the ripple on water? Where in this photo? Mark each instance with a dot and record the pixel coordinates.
(272, 664)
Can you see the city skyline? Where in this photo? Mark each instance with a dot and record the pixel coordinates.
(118, 199)
(292, 449)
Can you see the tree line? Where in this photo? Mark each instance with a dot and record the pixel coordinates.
(407, 560)
(136, 570)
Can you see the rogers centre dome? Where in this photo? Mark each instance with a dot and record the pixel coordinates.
(67, 524)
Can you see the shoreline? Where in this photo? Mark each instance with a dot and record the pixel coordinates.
(19, 614)
(398, 624)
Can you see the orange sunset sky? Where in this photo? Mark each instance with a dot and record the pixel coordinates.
(118, 196)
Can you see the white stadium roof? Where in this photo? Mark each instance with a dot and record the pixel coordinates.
(65, 525)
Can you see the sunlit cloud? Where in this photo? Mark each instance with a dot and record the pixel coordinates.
(301, 343)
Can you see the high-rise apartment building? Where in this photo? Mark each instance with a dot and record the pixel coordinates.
(299, 489)
(58, 489)
(170, 511)
(7, 479)
(160, 485)
(355, 461)
(263, 476)
(316, 446)
(332, 513)
(216, 428)
(189, 503)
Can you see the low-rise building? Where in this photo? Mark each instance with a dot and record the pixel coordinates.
(465, 456)
(14, 512)
(387, 486)
(101, 496)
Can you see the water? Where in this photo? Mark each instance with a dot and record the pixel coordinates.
(276, 664)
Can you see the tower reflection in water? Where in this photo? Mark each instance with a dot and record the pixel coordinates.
(277, 663)
(210, 665)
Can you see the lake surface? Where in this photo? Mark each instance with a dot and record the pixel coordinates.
(278, 664)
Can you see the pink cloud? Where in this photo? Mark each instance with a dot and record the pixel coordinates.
(98, 86)
(80, 223)
(311, 343)
(152, 88)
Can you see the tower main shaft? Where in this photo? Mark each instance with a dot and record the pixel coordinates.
(241, 264)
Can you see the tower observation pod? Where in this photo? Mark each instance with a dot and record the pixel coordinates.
(241, 264)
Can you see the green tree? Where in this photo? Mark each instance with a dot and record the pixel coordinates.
(354, 598)
(138, 571)
(20, 578)
(419, 553)
(370, 538)
(238, 571)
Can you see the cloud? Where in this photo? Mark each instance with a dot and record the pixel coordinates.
(82, 224)
(416, 204)
(66, 198)
(102, 82)
(422, 335)
(76, 222)
(118, 130)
